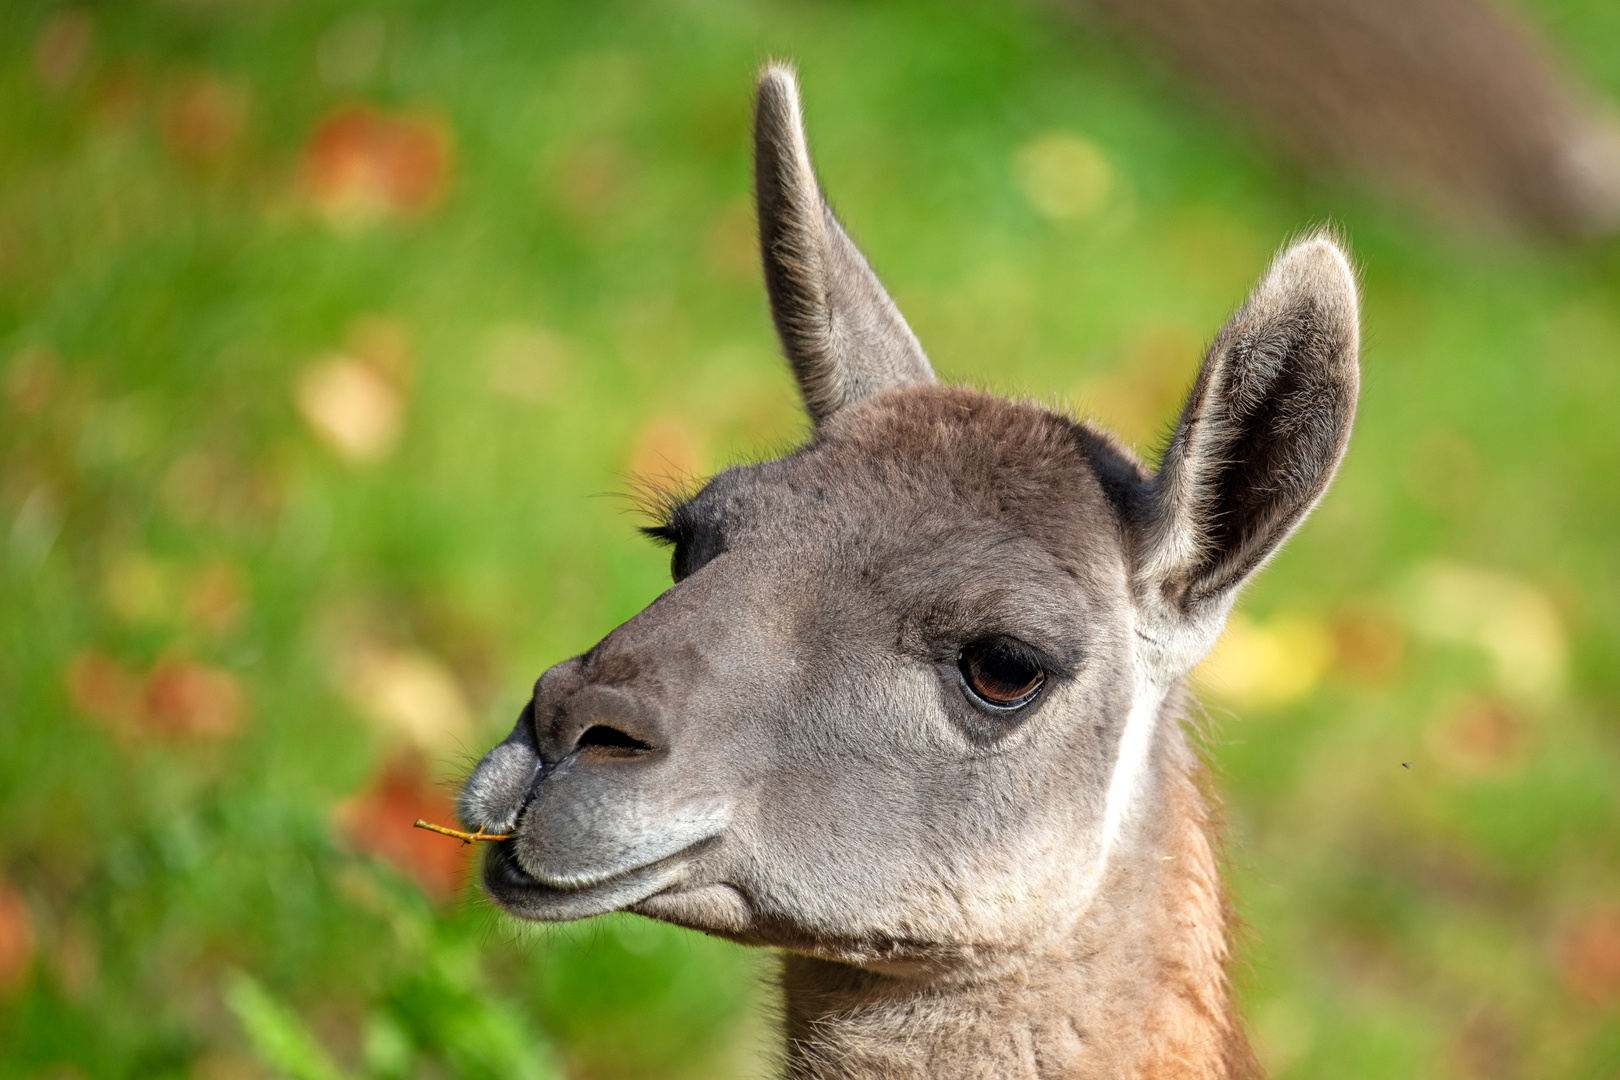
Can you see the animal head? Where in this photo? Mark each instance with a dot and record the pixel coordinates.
(896, 707)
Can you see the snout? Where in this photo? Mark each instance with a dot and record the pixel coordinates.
(576, 716)
(591, 787)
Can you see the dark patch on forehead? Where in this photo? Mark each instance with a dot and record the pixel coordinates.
(924, 450)
(1044, 475)
(1119, 472)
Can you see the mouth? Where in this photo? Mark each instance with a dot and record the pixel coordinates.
(522, 894)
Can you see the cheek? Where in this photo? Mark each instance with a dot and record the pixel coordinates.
(1044, 793)
(1031, 861)
(852, 801)
(1076, 749)
(867, 813)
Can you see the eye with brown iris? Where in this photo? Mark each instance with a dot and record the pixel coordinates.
(999, 673)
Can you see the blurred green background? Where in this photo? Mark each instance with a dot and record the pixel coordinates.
(330, 339)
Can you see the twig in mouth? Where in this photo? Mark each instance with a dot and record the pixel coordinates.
(464, 837)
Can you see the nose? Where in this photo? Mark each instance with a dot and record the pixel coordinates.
(574, 717)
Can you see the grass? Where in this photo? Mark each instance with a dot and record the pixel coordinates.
(219, 621)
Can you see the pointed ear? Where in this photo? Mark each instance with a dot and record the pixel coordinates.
(1261, 434)
(841, 332)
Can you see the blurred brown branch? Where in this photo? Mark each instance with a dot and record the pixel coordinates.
(1456, 102)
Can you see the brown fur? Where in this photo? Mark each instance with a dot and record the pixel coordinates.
(1456, 101)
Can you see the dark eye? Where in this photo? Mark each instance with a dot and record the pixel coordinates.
(691, 549)
(999, 673)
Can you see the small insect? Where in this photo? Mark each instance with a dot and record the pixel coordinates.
(1404, 765)
(464, 837)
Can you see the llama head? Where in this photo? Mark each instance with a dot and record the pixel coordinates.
(894, 709)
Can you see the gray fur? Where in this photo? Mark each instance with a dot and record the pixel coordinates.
(782, 750)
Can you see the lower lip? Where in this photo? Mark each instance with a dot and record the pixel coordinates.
(504, 855)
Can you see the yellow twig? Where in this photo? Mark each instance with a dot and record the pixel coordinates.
(464, 837)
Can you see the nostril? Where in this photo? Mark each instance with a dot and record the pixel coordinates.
(609, 738)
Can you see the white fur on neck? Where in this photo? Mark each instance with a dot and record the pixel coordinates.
(1167, 648)
(1162, 659)
(1130, 768)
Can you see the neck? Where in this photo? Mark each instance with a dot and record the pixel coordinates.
(1138, 990)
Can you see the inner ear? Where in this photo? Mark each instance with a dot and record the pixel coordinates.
(1263, 429)
(1281, 453)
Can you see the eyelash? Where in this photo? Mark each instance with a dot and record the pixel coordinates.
(667, 535)
(664, 534)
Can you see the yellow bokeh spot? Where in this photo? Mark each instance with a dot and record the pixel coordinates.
(407, 693)
(1272, 663)
(1064, 176)
(353, 407)
(1512, 621)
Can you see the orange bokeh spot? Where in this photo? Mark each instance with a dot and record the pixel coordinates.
(16, 937)
(175, 698)
(362, 163)
(381, 821)
(1590, 964)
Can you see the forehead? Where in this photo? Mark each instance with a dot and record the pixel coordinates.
(924, 472)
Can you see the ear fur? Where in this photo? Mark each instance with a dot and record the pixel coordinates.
(1262, 432)
(842, 334)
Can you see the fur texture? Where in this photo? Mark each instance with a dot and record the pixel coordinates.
(841, 332)
(788, 749)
